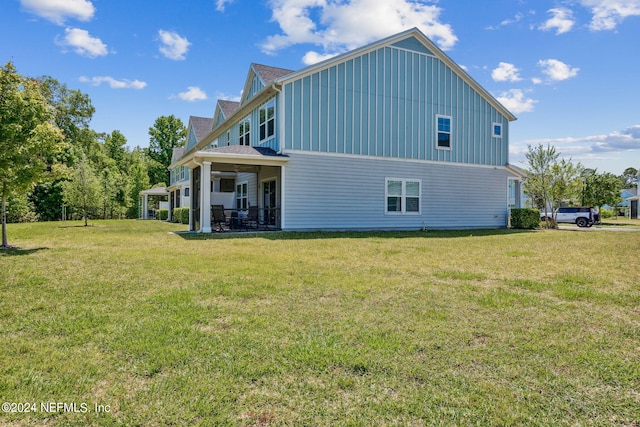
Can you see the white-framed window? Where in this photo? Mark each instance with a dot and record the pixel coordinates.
(496, 130)
(242, 195)
(268, 119)
(245, 131)
(229, 137)
(443, 132)
(402, 196)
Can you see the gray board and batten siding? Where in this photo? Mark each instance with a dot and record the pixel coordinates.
(384, 103)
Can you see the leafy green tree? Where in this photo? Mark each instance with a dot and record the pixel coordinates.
(565, 182)
(551, 181)
(167, 133)
(115, 147)
(83, 190)
(629, 178)
(538, 184)
(72, 113)
(601, 189)
(138, 180)
(28, 137)
(46, 199)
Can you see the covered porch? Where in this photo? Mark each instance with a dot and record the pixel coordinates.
(235, 187)
(146, 210)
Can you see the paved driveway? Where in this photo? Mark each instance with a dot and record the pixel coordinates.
(621, 228)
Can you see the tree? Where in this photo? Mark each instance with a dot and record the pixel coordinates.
(83, 190)
(167, 133)
(565, 183)
(537, 186)
(28, 137)
(550, 181)
(601, 189)
(72, 113)
(138, 180)
(629, 178)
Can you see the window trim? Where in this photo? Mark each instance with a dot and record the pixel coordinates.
(403, 196)
(493, 130)
(244, 131)
(245, 195)
(264, 107)
(438, 132)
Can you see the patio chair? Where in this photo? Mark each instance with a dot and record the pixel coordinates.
(218, 218)
(253, 218)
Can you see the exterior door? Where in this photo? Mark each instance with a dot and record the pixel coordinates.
(269, 202)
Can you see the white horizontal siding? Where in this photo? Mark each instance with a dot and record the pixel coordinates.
(348, 192)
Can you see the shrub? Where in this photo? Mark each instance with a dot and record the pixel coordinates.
(525, 218)
(606, 213)
(181, 215)
(162, 214)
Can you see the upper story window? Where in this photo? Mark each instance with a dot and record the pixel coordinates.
(496, 130)
(267, 120)
(228, 138)
(245, 131)
(444, 131)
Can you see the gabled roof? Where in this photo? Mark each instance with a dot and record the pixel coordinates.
(177, 153)
(272, 77)
(419, 35)
(265, 73)
(269, 74)
(228, 107)
(201, 126)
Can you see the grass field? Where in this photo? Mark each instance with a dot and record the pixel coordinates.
(131, 325)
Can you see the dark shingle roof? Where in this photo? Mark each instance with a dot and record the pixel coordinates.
(177, 153)
(201, 126)
(228, 107)
(245, 150)
(269, 74)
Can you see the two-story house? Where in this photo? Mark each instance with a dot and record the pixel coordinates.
(393, 135)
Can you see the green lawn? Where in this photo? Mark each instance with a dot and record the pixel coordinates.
(321, 329)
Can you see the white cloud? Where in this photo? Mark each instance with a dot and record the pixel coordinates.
(226, 97)
(113, 83)
(57, 11)
(562, 20)
(340, 25)
(557, 70)
(515, 101)
(221, 4)
(506, 73)
(82, 43)
(312, 57)
(510, 21)
(192, 94)
(607, 14)
(594, 145)
(173, 45)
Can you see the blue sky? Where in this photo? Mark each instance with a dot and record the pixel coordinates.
(567, 69)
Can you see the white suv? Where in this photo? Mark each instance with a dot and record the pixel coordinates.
(580, 215)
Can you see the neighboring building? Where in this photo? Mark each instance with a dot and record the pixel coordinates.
(393, 135)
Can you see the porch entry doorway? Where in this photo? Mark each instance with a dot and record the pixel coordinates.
(269, 202)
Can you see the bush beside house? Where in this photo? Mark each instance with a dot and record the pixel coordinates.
(526, 219)
(181, 215)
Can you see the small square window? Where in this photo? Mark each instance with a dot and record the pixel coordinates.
(496, 130)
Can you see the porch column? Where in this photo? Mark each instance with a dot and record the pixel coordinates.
(190, 203)
(205, 197)
(145, 206)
